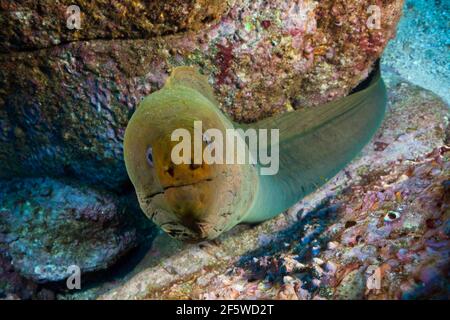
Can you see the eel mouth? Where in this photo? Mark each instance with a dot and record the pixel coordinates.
(186, 211)
(181, 185)
(186, 184)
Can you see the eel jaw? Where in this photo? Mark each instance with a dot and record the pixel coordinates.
(181, 211)
(204, 209)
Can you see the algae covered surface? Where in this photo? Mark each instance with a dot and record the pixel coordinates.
(378, 230)
(64, 108)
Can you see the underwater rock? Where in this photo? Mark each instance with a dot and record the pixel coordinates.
(12, 284)
(28, 25)
(64, 109)
(352, 287)
(391, 256)
(48, 225)
(419, 52)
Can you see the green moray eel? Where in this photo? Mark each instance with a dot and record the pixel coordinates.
(195, 202)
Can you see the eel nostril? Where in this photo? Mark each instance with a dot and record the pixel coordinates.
(171, 171)
(193, 166)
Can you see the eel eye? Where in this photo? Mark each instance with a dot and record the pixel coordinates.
(149, 156)
(391, 216)
(207, 139)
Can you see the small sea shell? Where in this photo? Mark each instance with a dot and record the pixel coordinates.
(392, 216)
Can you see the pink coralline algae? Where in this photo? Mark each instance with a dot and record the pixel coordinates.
(403, 258)
(64, 106)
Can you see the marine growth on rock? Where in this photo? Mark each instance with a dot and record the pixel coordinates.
(90, 90)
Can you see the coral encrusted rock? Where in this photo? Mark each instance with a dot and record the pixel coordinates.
(46, 226)
(64, 107)
(29, 24)
(379, 230)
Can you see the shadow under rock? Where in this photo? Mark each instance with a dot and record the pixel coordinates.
(95, 283)
(303, 240)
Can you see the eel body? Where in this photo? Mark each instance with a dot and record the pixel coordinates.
(198, 200)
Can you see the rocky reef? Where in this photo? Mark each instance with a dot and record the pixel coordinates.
(378, 230)
(64, 108)
(30, 25)
(48, 226)
(419, 52)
